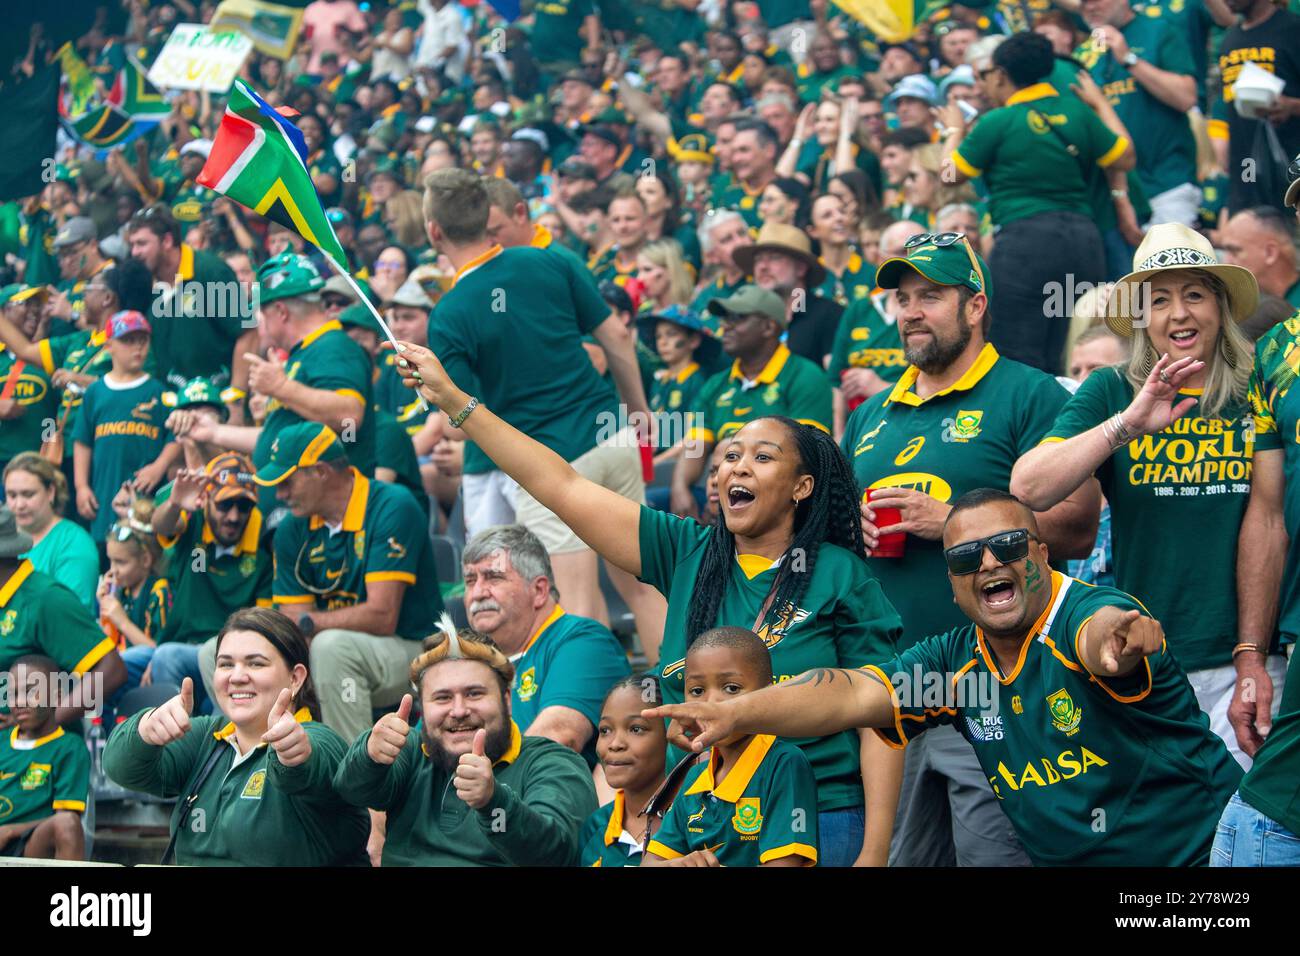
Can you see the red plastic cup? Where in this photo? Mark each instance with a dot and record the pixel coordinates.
(891, 545)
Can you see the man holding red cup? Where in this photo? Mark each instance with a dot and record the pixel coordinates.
(956, 420)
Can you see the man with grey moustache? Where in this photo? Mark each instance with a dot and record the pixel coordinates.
(564, 664)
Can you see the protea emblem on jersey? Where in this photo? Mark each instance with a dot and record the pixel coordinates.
(7, 622)
(773, 632)
(748, 819)
(772, 393)
(964, 426)
(1065, 715)
(527, 684)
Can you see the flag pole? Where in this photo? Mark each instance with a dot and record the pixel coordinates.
(365, 300)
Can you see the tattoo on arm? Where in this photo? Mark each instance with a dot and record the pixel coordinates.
(822, 675)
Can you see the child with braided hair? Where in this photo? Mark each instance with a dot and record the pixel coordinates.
(784, 559)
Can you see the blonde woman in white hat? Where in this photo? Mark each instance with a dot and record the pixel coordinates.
(1170, 437)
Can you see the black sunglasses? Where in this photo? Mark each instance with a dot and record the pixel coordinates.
(1007, 546)
(242, 505)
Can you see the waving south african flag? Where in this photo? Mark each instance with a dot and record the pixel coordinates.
(259, 159)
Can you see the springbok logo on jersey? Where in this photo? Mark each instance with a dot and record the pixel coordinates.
(773, 632)
(1065, 715)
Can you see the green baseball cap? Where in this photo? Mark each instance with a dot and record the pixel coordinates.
(359, 317)
(751, 300)
(199, 391)
(17, 292)
(299, 446)
(288, 275)
(947, 264)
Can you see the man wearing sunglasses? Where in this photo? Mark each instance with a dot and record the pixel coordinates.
(1082, 721)
(956, 420)
(212, 528)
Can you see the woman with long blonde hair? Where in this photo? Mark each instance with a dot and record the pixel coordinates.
(404, 216)
(662, 270)
(925, 187)
(1170, 436)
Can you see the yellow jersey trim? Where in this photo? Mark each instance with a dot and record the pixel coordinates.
(556, 613)
(770, 371)
(54, 734)
(733, 787)
(901, 742)
(15, 582)
(754, 564)
(984, 362)
(330, 326)
(791, 849)
(95, 655)
(355, 515)
(614, 829)
(77, 806)
(475, 263)
(405, 576)
(1030, 93)
(663, 852)
(1057, 579)
(964, 166)
(1101, 679)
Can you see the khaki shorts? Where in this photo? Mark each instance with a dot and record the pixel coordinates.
(614, 464)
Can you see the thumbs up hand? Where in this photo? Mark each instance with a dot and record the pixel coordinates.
(171, 721)
(475, 782)
(286, 735)
(389, 734)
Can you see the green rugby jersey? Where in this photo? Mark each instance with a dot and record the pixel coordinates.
(326, 359)
(194, 332)
(256, 811)
(764, 809)
(1192, 478)
(149, 608)
(543, 793)
(557, 31)
(513, 324)
(1091, 771)
(570, 662)
(734, 195)
(82, 352)
(1162, 136)
(225, 580)
(675, 401)
(1272, 785)
(394, 450)
(963, 437)
(867, 338)
(40, 776)
(1017, 147)
(383, 537)
(604, 838)
(1277, 426)
(40, 616)
(36, 400)
(124, 426)
(396, 399)
(855, 283)
(843, 620)
(604, 267)
(788, 385)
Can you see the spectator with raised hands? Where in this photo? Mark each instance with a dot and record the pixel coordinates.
(1170, 438)
(265, 778)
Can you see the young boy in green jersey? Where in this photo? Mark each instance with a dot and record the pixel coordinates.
(632, 752)
(121, 433)
(753, 801)
(44, 773)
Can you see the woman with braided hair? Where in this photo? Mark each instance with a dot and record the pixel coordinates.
(784, 559)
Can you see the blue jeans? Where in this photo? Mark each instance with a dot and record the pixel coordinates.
(1245, 837)
(839, 836)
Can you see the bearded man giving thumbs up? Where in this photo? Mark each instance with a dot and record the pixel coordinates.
(465, 788)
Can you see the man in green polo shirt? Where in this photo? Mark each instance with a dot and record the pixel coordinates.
(566, 664)
(765, 378)
(27, 403)
(560, 30)
(1081, 720)
(212, 528)
(513, 323)
(201, 325)
(1046, 235)
(327, 377)
(354, 568)
(465, 787)
(1143, 63)
(956, 420)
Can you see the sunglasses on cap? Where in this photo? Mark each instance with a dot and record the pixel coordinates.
(1007, 546)
(122, 533)
(242, 505)
(943, 240)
